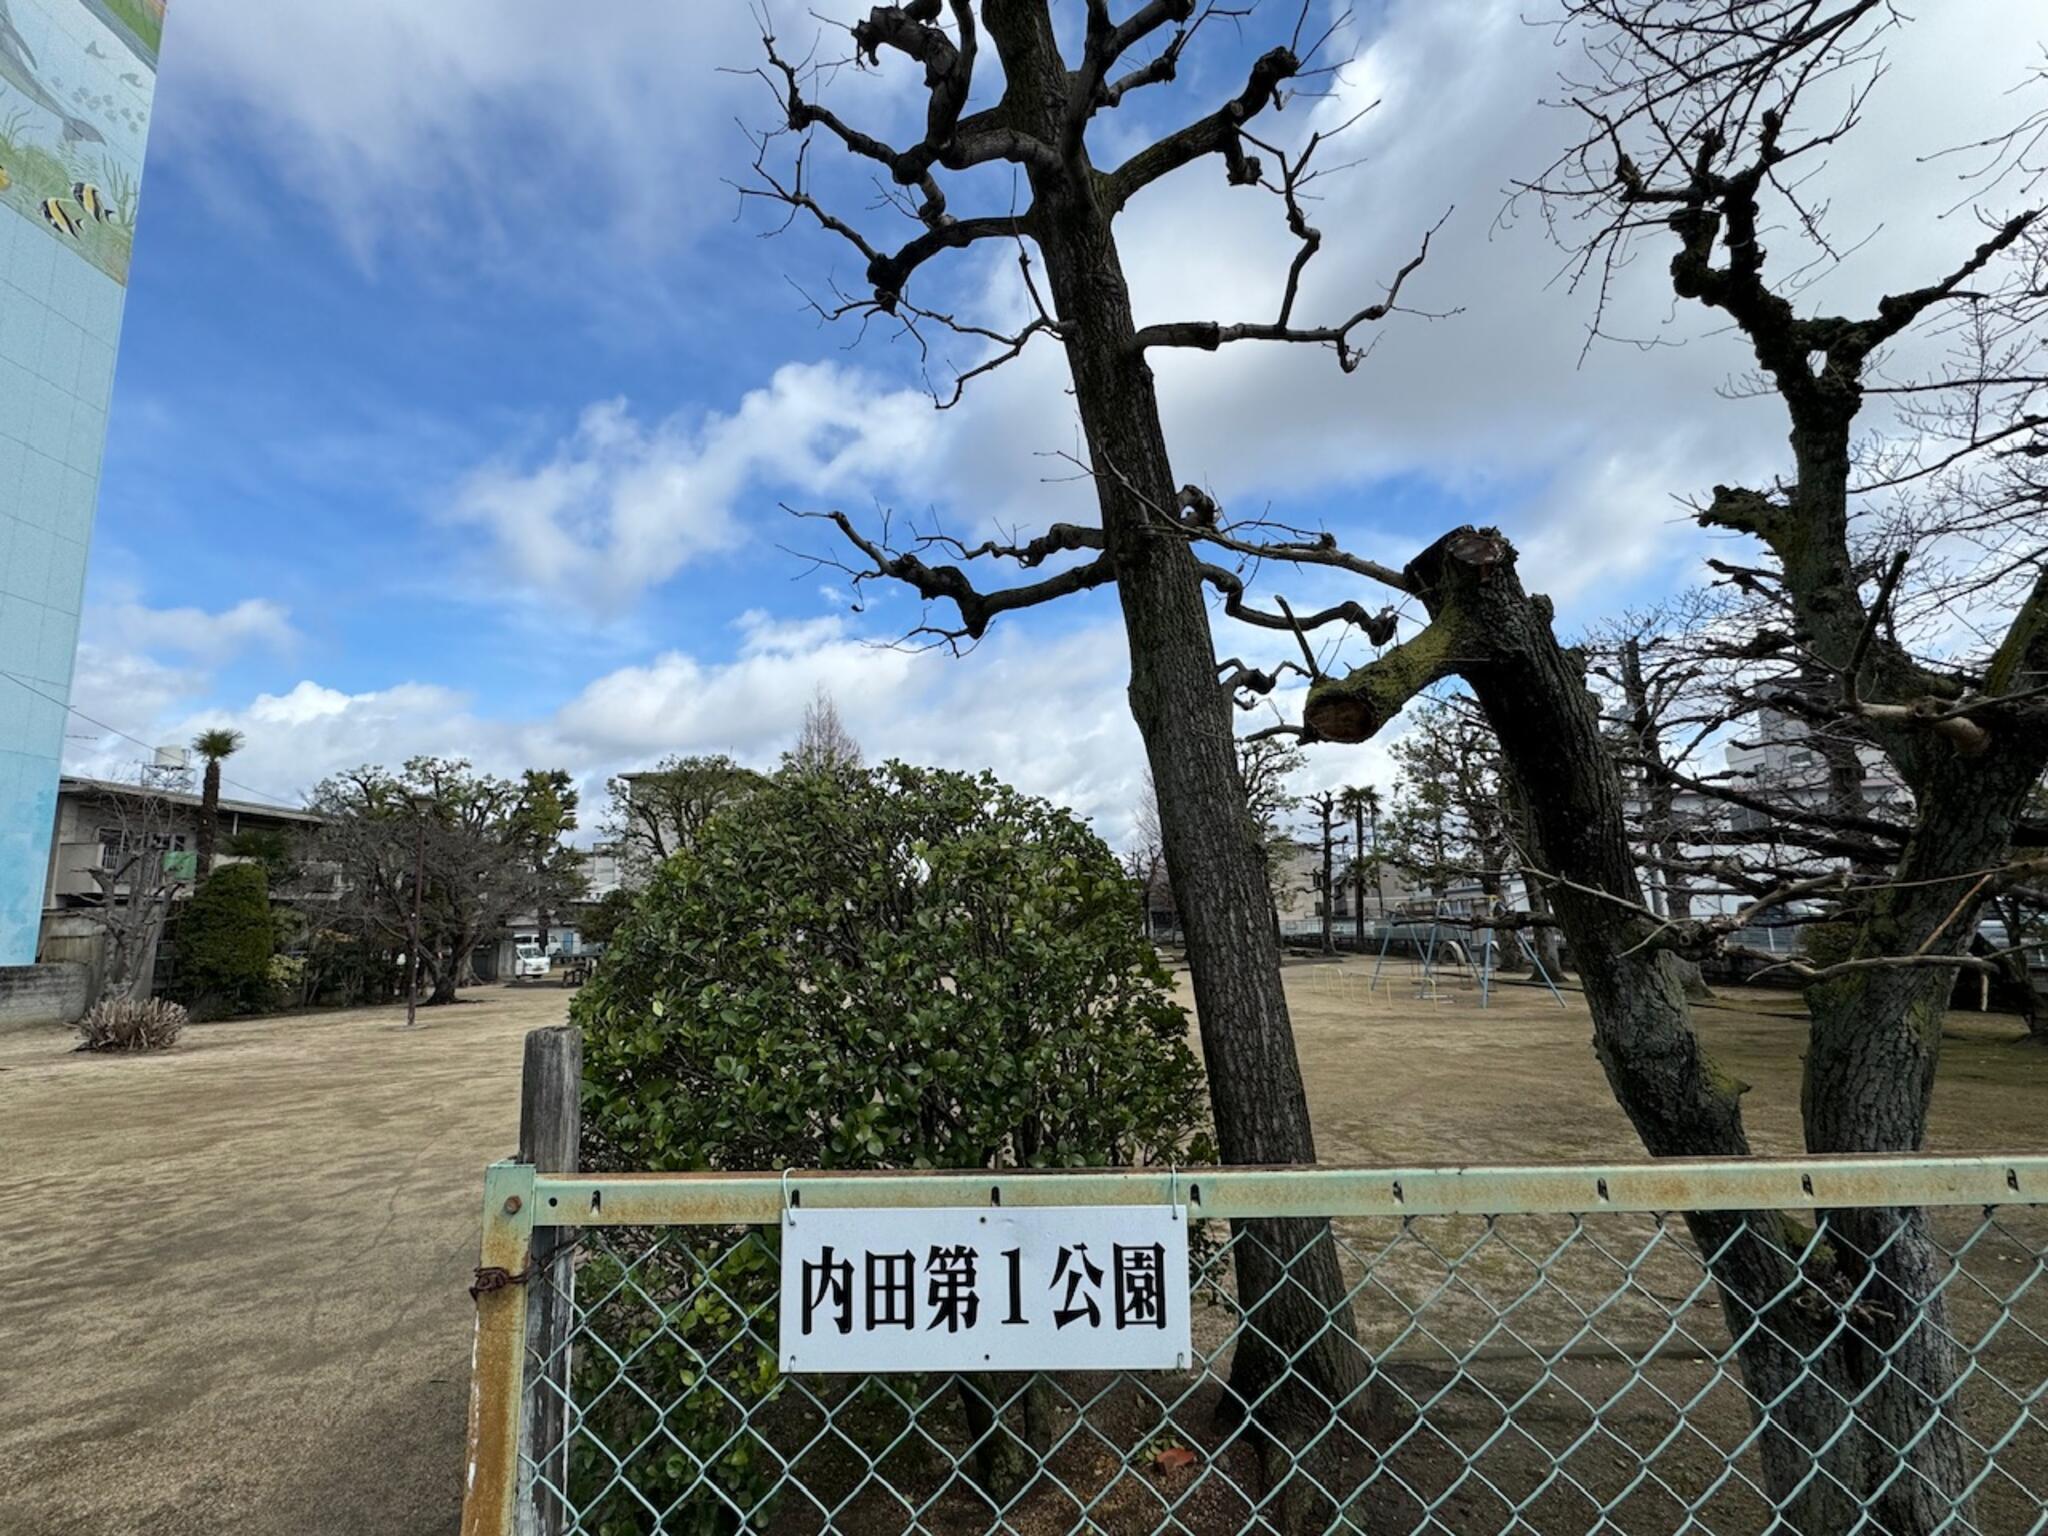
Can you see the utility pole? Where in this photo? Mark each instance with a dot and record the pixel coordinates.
(412, 936)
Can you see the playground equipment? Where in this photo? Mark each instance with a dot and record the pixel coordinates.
(1440, 950)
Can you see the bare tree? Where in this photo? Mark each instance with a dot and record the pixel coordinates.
(138, 876)
(1146, 858)
(1266, 767)
(1696, 128)
(432, 859)
(1663, 701)
(824, 745)
(1299, 1355)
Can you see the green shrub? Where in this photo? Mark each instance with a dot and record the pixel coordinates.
(886, 968)
(225, 940)
(599, 920)
(287, 981)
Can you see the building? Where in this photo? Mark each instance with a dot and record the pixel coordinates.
(1783, 761)
(72, 157)
(1297, 897)
(99, 826)
(604, 871)
(98, 821)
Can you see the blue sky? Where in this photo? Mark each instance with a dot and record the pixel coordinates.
(454, 405)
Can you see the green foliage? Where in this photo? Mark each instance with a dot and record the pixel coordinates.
(215, 744)
(276, 851)
(287, 981)
(659, 812)
(599, 921)
(886, 968)
(226, 938)
(544, 815)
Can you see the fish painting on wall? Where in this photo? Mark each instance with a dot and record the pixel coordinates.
(77, 78)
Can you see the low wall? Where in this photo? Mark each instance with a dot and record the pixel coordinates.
(42, 994)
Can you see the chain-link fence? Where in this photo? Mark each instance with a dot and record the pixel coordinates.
(1819, 1347)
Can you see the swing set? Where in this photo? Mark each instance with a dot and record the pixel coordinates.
(1440, 953)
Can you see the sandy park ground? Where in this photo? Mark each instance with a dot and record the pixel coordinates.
(234, 1295)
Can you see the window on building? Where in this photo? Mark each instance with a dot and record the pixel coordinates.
(116, 845)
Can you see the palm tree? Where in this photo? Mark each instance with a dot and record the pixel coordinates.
(1362, 804)
(214, 745)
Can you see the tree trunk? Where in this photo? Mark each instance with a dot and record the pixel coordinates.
(1329, 888)
(1358, 872)
(209, 815)
(445, 970)
(1299, 1352)
(1870, 1068)
(1677, 894)
(1009, 1430)
(156, 913)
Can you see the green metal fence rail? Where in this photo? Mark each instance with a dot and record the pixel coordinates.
(1545, 1351)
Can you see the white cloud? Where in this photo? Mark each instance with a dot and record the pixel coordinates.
(1048, 714)
(407, 113)
(139, 667)
(1579, 460)
(253, 623)
(620, 505)
(400, 117)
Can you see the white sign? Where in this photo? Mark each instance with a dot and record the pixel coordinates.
(1091, 1287)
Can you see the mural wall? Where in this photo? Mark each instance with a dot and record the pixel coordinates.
(76, 81)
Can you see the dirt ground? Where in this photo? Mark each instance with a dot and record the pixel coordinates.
(236, 1295)
(235, 1300)
(1393, 1078)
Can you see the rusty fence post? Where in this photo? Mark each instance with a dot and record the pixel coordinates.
(490, 1483)
(550, 1129)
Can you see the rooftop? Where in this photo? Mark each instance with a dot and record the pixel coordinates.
(72, 784)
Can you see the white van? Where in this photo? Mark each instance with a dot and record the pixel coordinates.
(529, 960)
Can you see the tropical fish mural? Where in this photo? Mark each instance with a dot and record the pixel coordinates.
(77, 78)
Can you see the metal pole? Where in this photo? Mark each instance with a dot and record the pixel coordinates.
(491, 1482)
(1386, 938)
(1536, 962)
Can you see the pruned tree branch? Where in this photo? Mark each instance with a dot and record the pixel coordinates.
(1220, 133)
(949, 583)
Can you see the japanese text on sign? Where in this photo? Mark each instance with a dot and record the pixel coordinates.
(1058, 1288)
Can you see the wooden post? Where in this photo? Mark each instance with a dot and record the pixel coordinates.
(550, 1128)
